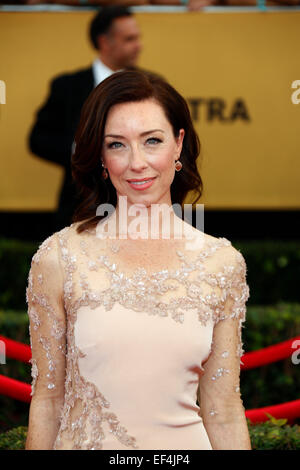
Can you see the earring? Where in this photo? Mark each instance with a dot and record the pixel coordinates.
(104, 172)
(178, 165)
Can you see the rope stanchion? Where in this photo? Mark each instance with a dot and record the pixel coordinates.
(250, 360)
(268, 355)
(16, 350)
(15, 389)
(289, 410)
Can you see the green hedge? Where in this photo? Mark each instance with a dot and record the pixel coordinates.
(15, 259)
(273, 271)
(274, 434)
(14, 439)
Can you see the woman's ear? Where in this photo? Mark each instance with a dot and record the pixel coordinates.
(179, 140)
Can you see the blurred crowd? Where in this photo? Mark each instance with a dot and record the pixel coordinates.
(192, 5)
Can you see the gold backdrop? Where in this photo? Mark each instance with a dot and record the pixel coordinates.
(236, 70)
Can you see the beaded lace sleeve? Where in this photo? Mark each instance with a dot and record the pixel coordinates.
(47, 323)
(219, 386)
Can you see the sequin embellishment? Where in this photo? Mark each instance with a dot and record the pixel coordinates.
(40, 312)
(141, 291)
(87, 394)
(221, 371)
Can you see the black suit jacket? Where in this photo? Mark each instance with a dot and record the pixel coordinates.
(53, 132)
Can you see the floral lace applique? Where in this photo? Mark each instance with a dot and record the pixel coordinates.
(79, 390)
(141, 291)
(41, 314)
(34, 375)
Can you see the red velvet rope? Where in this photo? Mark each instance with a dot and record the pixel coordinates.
(250, 360)
(15, 389)
(290, 410)
(16, 350)
(270, 354)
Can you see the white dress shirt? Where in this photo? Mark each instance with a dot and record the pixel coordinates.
(100, 71)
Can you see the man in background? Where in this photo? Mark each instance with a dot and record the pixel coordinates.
(115, 35)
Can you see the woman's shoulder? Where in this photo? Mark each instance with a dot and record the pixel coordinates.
(72, 238)
(45, 257)
(48, 247)
(205, 240)
(70, 231)
(219, 249)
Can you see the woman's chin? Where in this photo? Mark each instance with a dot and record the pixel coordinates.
(139, 200)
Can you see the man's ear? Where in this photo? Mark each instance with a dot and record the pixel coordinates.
(101, 42)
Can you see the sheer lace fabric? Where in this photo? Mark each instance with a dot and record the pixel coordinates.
(129, 333)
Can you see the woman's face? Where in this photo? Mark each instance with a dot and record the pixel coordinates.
(139, 143)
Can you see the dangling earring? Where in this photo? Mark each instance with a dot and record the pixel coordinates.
(178, 165)
(104, 172)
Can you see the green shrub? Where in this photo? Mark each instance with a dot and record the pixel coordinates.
(15, 259)
(14, 439)
(273, 270)
(277, 382)
(274, 434)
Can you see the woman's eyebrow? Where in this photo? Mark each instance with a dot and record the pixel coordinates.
(150, 132)
(115, 136)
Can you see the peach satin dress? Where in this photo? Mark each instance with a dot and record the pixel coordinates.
(126, 335)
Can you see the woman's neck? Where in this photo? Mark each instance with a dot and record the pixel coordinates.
(157, 221)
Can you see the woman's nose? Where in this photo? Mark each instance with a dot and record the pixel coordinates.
(137, 158)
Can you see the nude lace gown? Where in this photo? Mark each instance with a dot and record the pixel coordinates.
(123, 331)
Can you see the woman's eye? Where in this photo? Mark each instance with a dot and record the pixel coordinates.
(114, 145)
(153, 140)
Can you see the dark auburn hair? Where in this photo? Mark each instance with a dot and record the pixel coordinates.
(123, 87)
(104, 19)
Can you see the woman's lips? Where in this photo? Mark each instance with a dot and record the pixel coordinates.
(140, 185)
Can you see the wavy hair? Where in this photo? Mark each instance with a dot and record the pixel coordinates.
(123, 87)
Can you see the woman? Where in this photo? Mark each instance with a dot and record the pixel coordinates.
(121, 322)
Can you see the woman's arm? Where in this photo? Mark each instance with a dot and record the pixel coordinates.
(221, 405)
(47, 328)
(43, 425)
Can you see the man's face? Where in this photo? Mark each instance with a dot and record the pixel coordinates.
(123, 42)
